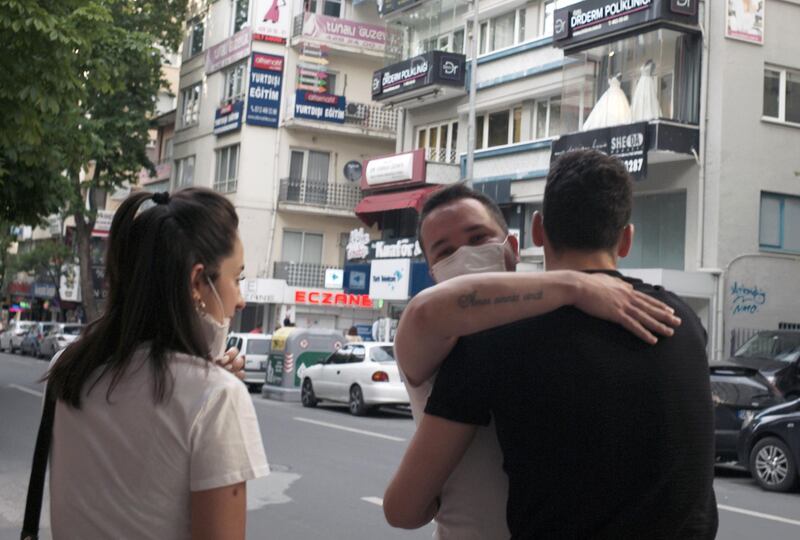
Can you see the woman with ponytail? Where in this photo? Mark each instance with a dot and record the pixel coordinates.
(151, 438)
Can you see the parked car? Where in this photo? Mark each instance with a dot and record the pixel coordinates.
(11, 339)
(32, 341)
(59, 337)
(769, 446)
(738, 394)
(776, 354)
(363, 375)
(254, 348)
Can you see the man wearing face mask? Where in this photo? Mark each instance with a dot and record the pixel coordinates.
(463, 233)
(602, 436)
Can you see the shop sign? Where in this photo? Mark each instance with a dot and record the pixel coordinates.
(357, 245)
(102, 223)
(263, 291)
(345, 32)
(390, 6)
(431, 68)
(70, 289)
(408, 167)
(334, 278)
(593, 19)
(54, 225)
(356, 278)
(264, 92)
(327, 298)
(44, 290)
(405, 248)
(228, 118)
(420, 278)
(19, 288)
(745, 21)
(322, 107)
(99, 289)
(389, 279)
(628, 143)
(228, 52)
(272, 21)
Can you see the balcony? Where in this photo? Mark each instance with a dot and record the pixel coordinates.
(302, 274)
(342, 35)
(441, 155)
(316, 197)
(360, 120)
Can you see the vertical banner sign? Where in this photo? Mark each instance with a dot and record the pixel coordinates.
(264, 92)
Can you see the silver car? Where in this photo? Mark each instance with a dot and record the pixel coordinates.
(59, 337)
(11, 339)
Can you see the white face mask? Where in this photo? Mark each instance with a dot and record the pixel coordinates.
(489, 257)
(216, 333)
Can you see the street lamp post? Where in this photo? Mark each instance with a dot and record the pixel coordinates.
(473, 87)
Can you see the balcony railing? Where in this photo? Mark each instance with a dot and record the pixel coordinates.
(372, 117)
(442, 155)
(324, 194)
(302, 274)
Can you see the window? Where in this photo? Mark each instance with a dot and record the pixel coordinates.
(167, 155)
(235, 81)
(440, 141)
(779, 222)
(332, 8)
(241, 12)
(782, 95)
(547, 118)
(227, 166)
(184, 172)
(302, 247)
(660, 225)
(502, 31)
(196, 33)
(498, 128)
(190, 105)
(547, 13)
(258, 346)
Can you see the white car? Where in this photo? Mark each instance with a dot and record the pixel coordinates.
(11, 338)
(254, 348)
(59, 337)
(363, 375)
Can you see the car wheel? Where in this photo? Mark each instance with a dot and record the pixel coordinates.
(307, 396)
(772, 465)
(356, 403)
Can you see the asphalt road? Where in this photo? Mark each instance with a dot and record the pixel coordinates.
(329, 471)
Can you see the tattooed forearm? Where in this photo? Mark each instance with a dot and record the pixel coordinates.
(471, 300)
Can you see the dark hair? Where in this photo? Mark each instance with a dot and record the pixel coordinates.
(352, 331)
(150, 256)
(587, 201)
(456, 192)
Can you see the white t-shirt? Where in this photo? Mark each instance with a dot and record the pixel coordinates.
(125, 469)
(474, 497)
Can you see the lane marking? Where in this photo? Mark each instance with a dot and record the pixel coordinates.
(26, 390)
(758, 514)
(373, 500)
(351, 430)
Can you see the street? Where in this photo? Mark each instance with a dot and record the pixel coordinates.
(329, 470)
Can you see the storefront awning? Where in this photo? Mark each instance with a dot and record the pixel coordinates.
(372, 206)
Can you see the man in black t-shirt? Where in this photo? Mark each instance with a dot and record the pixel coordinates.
(603, 436)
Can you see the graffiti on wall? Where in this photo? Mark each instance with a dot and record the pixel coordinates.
(747, 299)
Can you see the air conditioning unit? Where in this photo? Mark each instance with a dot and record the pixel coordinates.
(356, 111)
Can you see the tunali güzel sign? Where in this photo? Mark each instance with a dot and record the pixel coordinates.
(264, 92)
(229, 51)
(322, 107)
(342, 31)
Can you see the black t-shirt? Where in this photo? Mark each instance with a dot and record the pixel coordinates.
(603, 435)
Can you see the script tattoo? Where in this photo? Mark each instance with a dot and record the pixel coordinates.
(471, 300)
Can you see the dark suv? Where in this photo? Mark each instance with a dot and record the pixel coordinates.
(776, 355)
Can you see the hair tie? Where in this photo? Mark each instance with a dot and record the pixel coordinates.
(161, 198)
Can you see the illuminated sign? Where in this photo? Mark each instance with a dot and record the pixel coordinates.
(326, 298)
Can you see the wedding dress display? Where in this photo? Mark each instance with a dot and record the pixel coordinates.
(611, 109)
(645, 105)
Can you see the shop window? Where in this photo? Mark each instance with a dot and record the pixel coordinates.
(779, 223)
(190, 105)
(184, 172)
(195, 37)
(659, 232)
(782, 95)
(225, 178)
(498, 128)
(241, 12)
(440, 141)
(302, 247)
(651, 76)
(235, 83)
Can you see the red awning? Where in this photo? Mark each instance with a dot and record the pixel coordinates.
(372, 206)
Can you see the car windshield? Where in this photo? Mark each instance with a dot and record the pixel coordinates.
(382, 354)
(71, 330)
(771, 345)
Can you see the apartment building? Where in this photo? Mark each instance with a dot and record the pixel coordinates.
(275, 111)
(699, 99)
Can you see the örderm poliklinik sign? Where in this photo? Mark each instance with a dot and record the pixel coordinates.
(594, 19)
(433, 67)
